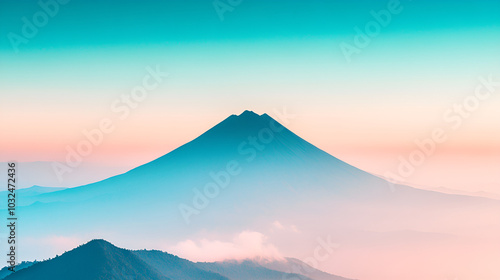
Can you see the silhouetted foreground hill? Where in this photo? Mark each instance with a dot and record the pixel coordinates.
(99, 259)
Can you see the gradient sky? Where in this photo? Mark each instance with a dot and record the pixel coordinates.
(263, 56)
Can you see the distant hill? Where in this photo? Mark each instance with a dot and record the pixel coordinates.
(43, 173)
(34, 190)
(288, 268)
(291, 265)
(248, 270)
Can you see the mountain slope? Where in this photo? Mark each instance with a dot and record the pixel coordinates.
(175, 267)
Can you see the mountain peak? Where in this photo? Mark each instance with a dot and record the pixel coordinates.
(244, 124)
(248, 113)
(247, 116)
(99, 242)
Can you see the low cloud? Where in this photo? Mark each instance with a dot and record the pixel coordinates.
(277, 226)
(245, 245)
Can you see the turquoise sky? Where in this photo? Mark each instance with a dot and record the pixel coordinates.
(189, 34)
(128, 23)
(85, 36)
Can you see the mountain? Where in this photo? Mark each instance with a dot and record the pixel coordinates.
(99, 259)
(249, 172)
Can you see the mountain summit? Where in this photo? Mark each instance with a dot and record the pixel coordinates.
(242, 125)
(247, 114)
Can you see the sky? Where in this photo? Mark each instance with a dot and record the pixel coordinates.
(364, 80)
